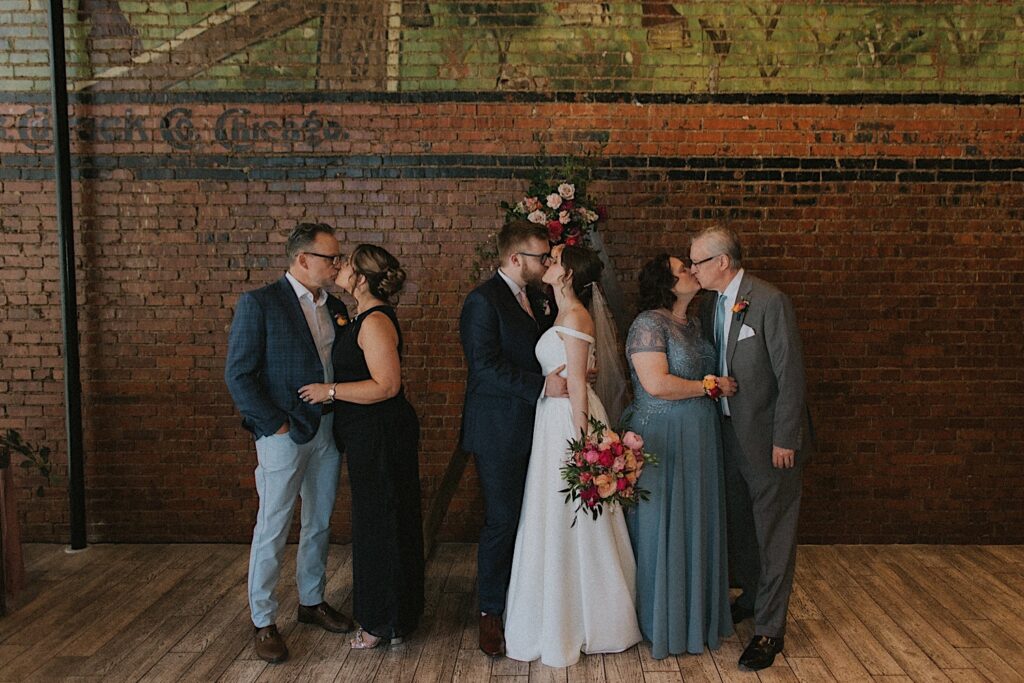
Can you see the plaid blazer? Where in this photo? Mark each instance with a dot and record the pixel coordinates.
(271, 353)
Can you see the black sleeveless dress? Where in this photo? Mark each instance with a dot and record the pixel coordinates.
(381, 441)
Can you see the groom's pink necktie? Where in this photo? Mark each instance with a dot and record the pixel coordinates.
(521, 297)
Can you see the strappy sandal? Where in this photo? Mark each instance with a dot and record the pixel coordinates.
(364, 640)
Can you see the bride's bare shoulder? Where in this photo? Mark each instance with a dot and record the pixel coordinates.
(578, 318)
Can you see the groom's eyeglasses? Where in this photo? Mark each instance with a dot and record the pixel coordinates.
(545, 258)
(337, 261)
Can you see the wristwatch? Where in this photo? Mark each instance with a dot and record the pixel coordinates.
(331, 392)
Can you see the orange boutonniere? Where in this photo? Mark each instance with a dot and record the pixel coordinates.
(739, 307)
(341, 320)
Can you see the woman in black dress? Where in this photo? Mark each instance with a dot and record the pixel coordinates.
(378, 430)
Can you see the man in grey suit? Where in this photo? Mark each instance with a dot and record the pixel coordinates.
(281, 339)
(764, 433)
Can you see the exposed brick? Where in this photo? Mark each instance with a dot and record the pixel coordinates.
(895, 224)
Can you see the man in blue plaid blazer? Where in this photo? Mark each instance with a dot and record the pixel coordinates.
(281, 339)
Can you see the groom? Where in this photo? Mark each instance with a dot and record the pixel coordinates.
(765, 434)
(501, 321)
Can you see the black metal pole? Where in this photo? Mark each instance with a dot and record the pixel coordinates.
(68, 295)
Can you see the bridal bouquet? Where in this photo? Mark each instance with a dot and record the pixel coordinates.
(603, 469)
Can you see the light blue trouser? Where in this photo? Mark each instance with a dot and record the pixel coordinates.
(286, 471)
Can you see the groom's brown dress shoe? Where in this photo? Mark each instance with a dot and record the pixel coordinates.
(326, 617)
(269, 645)
(492, 635)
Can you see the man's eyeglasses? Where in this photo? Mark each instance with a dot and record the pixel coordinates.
(336, 261)
(694, 264)
(545, 258)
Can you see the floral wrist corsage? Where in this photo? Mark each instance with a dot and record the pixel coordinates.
(711, 388)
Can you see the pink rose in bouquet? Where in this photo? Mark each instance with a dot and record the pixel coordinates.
(633, 441)
(603, 469)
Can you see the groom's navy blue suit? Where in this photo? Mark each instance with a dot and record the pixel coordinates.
(504, 383)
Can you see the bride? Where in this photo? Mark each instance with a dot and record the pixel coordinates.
(572, 588)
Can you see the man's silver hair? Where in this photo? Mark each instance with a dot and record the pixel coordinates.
(722, 240)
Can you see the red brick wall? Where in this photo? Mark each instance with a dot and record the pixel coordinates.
(895, 227)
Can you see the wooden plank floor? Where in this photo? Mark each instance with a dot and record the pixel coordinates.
(179, 612)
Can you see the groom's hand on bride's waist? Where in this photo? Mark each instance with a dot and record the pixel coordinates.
(555, 386)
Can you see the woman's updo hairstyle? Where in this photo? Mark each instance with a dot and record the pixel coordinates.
(584, 265)
(384, 275)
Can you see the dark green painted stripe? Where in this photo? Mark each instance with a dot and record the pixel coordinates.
(317, 97)
(430, 166)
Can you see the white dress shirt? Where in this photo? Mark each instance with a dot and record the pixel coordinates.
(318, 317)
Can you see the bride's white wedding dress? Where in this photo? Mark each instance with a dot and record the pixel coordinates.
(573, 588)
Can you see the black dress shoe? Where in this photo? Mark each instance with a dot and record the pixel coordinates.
(739, 612)
(760, 653)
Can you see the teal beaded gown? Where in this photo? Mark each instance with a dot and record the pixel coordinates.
(678, 535)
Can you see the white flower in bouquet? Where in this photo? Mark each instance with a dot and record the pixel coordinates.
(538, 217)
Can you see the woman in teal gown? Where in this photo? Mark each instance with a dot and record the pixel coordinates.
(678, 535)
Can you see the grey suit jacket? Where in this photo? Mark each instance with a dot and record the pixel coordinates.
(769, 408)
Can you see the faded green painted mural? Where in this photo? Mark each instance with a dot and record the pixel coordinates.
(649, 46)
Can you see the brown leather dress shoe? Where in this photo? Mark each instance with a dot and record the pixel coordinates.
(492, 635)
(270, 645)
(326, 617)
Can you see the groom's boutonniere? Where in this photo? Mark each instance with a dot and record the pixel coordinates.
(739, 307)
(547, 307)
(341, 320)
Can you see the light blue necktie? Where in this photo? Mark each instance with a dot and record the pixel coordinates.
(720, 328)
(720, 313)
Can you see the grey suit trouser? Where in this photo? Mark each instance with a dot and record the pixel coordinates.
(762, 508)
